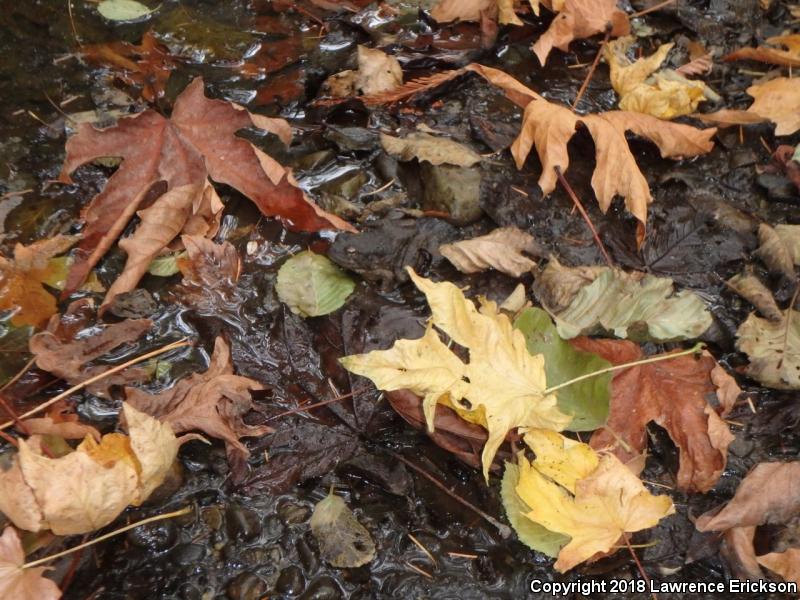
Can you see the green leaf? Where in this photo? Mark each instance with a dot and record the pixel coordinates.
(311, 285)
(123, 10)
(638, 309)
(587, 401)
(529, 533)
(165, 266)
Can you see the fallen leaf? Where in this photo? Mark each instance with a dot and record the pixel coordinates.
(123, 10)
(772, 53)
(671, 393)
(17, 583)
(311, 285)
(147, 66)
(701, 65)
(665, 94)
(502, 249)
(21, 280)
(779, 101)
(629, 305)
(88, 488)
(585, 401)
(769, 494)
(756, 293)
(786, 563)
(779, 248)
(213, 402)
(377, 73)
(68, 358)
(210, 275)
(343, 541)
(69, 430)
(197, 142)
(502, 387)
(557, 285)
(773, 348)
(548, 127)
(594, 499)
(579, 19)
(435, 150)
(728, 391)
(447, 11)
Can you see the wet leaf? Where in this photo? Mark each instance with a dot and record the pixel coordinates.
(377, 73)
(166, 266)
(21, 280)
(88, 488)
(580, 19)
(502, 249)
(22, 584)
(214, 402)
(780, 248)
(435, 150)
(665, 94)
(69, 358)
(210, 276)
(594, 499)
(548, 127)
(198, 142)
(629, 305)
(671, 393)
(533, 535)
(773, 348)
(756, 293)
(585, 401)
(123, 10)
(343, 541)
(311, 285)
(772, 53)
(779, 101)
(502, 387)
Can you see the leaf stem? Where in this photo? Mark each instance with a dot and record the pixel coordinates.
(653, 359)
(91, 380)
(177, 513)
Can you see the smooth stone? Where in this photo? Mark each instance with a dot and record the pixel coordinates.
(242, 523)
(188, 554)
(154, 537)
(246, 586)
(322, 588)
(290, 581)
(292, 513)
(454, 190)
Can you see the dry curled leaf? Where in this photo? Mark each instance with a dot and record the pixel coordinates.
(671, 393)
(432, 149)
(756, 293)
(779, 248)
(17, 583)
(502, 249)
(213, 402)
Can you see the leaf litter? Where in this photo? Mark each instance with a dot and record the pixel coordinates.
(220, 282)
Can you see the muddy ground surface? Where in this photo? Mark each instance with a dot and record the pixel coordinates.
(251, 539)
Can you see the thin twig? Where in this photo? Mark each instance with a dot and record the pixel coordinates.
(694, 349)
(68, 551)
(316, 404)
(653, 8)
(72, 24)
(504, 530)
(425, 551)
(585, 216)
(98, 377)
(418, 570)
(638, 564)
(592, 69)
(19, 374)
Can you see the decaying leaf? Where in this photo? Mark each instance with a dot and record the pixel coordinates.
(311, 285)
(68, 358)
(671, 393)
(756, 293)
(22, 584)
(21, 280)
(88, 488)
(665, 94)
(580, 19)
(502, 249)
(548, 127)
(501, 388)
(773, 348)
(377, 73)
(435, 150)
(629, 305)
(786, 563)
(780, 248)
(198, 142)
(585, 401)
(123, 10)
(343, 541)
(772, 53)
(210, 275)
(594, 499)
(213, 402)
(779, 101)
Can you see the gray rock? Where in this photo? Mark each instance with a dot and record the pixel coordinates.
(454, 190)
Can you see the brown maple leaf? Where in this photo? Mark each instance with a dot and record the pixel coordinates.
(672, 393)
(213, 402)
(581, 19)
(198, 142)
(17, 583)
(147, 66)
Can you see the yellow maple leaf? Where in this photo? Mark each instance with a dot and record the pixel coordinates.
(594, 499)
(501, 387)
(665, 94)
